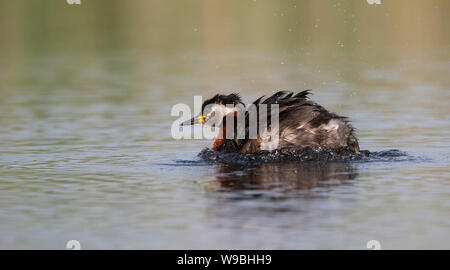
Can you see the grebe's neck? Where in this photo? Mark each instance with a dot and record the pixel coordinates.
(221, 139)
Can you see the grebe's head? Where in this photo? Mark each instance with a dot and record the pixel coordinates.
(216, 108)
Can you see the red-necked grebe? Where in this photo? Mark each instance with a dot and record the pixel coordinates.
(302, 123)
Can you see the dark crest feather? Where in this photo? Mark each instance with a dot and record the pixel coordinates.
(303, 94)
(276, 97)
(233, 98)
(256, 102)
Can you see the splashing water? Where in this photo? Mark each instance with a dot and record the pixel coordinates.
(302, 155)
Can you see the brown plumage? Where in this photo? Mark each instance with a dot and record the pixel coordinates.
(302, 123)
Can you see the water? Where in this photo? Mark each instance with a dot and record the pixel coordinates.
(86, 151)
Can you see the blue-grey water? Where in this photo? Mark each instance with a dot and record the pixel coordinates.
(86, 151)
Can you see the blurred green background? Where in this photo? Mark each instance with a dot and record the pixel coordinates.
(206, 39)
(401, 28)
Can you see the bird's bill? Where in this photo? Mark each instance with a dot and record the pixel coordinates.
(200, 119)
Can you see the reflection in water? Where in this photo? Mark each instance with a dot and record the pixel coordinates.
(263, 202)
(286, 176)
